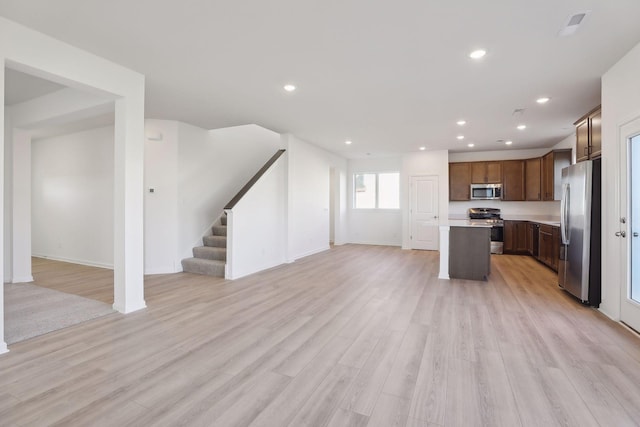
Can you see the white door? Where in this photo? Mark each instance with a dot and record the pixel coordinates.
(630, 225)
(424, 212)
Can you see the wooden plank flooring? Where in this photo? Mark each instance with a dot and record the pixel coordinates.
(355, 336)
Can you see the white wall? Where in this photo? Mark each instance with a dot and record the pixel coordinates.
(161, 206)
(72, 197)
(620, 104)
(7, 211)
(308, 198)
(43, 56)
(424, 163)
(212, 167)
(373, 226)
(257, 234)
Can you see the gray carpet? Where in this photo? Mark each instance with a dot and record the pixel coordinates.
(31, 311)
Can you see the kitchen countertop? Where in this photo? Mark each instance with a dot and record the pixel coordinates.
(465, 223)
(546, 219)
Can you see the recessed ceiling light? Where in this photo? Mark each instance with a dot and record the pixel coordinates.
(522, 127)
(460, 137)
(461, 122)
(477, 54)
(289, 88)
(348, 142)
(508, 142)
(423, 148)
(470, 145)
(543, 100)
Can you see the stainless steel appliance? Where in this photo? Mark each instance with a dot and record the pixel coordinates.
(579, 268)
(486, 191)
(490, 216)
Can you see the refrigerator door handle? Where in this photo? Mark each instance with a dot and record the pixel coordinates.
(564, 214)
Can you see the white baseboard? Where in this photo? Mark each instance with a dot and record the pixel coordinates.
(311, 252)
(130, 309)
(75, 261)
(376, 243)
(160, 270)
(25, 279)
(3, 347)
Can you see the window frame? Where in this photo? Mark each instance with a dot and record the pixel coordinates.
(377, 190)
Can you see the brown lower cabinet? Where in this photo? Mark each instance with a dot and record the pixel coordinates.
(515, 237)
(532, 238)
(549, 246)
(541, 241)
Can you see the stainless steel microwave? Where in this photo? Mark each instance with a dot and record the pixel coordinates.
(486, 191)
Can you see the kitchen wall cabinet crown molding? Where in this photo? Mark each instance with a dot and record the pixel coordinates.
(589, 135)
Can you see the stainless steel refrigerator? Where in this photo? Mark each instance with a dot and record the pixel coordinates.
(579, 267)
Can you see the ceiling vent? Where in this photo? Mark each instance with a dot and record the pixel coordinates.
(572, 23)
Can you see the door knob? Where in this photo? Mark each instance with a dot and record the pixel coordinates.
(635, 234)
(621, 234)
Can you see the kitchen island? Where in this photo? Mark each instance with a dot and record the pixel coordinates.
(465, 250)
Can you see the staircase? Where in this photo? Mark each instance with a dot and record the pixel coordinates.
(211, 258)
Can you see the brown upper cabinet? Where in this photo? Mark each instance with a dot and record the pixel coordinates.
(589, 135)
(486, 172)
(552, 165)
(459, 181)
(533, 179)
(513, 180)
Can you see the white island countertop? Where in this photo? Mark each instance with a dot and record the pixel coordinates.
(465, 223)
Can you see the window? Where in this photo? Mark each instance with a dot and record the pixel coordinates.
(377, 190)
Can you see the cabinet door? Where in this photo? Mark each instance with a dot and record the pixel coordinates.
(521, 237)
(494, 173)
(478, 172)
(533, 179)
(595, 143)
(545, 247)
(547, 177)
(555, 252)
(459, 181)
(532, 239)
(486, 172)
(582, 140)
(513, 180)
(508, 236)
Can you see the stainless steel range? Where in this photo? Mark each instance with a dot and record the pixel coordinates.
(490, 216)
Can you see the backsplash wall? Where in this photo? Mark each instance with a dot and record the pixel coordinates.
(510, 210)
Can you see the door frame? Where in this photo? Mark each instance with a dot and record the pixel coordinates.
(410, 204)
(629, 309)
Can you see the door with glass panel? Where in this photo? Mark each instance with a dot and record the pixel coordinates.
(630, 223)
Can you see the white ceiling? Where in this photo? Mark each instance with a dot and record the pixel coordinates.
(391, 76)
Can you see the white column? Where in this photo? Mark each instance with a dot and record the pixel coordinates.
(444, 252)
(128, 257)
(3, 344)
(21, 224)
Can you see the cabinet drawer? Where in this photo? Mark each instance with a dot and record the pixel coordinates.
(544, 228)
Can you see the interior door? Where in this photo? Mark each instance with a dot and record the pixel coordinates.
(424, 212)
(630, 225)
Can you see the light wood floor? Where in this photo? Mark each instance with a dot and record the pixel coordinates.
(356, 336)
